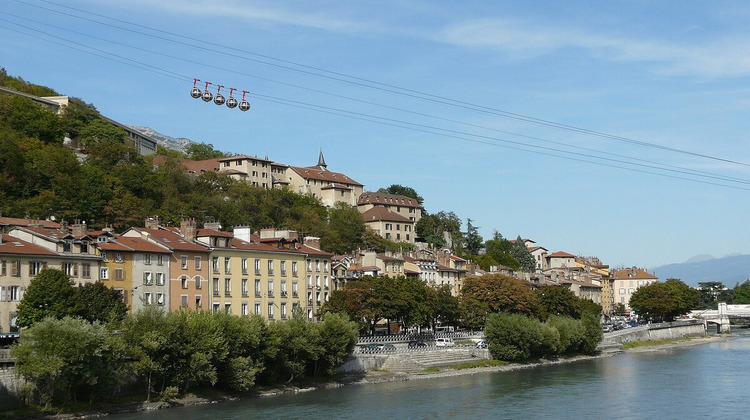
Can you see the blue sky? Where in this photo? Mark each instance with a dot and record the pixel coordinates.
(439, 96)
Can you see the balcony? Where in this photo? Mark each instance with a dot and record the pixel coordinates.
(270, 293)
(216, 293)
(309, 302)
(295, 294)
(228, 294)
(283, 294)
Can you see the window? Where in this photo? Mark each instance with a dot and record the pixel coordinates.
(197, 263)
(148, 278)
(160, 259)
(398, 227)
(104, 273)
(119, 274)
(216, 287)
(15, 268)
(385, 266)
(309, 265)
(270, 267)
(66, 245)
(160, 279)
(631, 291)
(104, 256)
(216, 307)
(86, 270)
(309, 280)
(227, 266)
(35, 267)
(244, 266)
(160, 298)
(257, 287)
(184, 262)
(3, 268)
(227, 308)
(147, 298)
(184, 301)
(198, 282)
(283, 310)
(325, 281)
(84, 247)
(295, 289)
(270, 311)
(270, 288)
(325, 265)
(317, 265)
(147, 258)
(70, 269)
(118, 257)
(198, 302)
(257, 266)
(184, 283)
(294, 268)
(317, 282)
(228, 287)
(282, 267)
(283, 288)
(622, 291)
(245, 291)
(15, 293)
(257, 308)
(215, 265)
(244, 309)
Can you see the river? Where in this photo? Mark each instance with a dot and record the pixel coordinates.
(695, 382)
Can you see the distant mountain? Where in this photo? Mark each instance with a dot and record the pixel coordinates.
(179, 144)
(729, 270)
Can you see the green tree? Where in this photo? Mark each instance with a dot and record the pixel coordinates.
(68, 358)
(482, 296)
(472, 239)
(432, 227)
(338, 337)
(345, 231)
(32, 119)
(50, 294)
(402, 190)
(556, 300)
(521, 253)
(741, 293)
(101, 303)
(203, 151)
(666, 300)
(515, 337)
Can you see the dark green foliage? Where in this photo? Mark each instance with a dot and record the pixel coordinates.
(666, 300)
(498, 251)
(50, 294)
(101, 303)
(521, 253)
(472, 239)
(557, 300)
(68, 358)
(31, 119)
(482, 296)
(203, 151)
(741, 293)
(432, 227)
(402, 190)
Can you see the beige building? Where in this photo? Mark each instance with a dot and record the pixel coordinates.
(626, 281)
(404, 206)
(330, 187)
(389, 225)
(260, 172)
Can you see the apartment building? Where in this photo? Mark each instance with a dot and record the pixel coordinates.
(626, 281)
(188, 262)
(389, 225)
(330, 187)
(402, 205)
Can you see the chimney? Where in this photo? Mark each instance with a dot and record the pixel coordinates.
(79, 229)
(243, 233)
(312, 242)
(188, 229)
(212, 225)
(152, 222)
(267, 233)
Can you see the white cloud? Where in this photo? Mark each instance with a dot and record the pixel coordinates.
(520, 40)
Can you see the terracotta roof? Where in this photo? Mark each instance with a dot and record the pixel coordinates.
(173, 241)
(322, 174)
(407, 271)
(633, 273)
(560, 254)
(13, 221)
(211, 232)
(13, 245)
(113, 245)
(581, 283)
(192, 166)
(367, 268)
(139, 245)
(446, 268)
(534, 248)
(379, 213)
(315, 251)
(49, 233)
(336, 186)
(255, 246)
(389, 199)
(455, 258)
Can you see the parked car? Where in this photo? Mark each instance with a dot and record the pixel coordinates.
(370, 348)
(633, 324)
(482, 344)
(388, 347)
(607, 328)
(444, 342)
(417, 343)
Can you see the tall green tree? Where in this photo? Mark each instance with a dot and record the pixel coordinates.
(666, 300)
(50, 294)
(472, 239)
(203, 151)
(402, 190)
(556, 300)
(482, 296)
(521, 253)
(100, 303)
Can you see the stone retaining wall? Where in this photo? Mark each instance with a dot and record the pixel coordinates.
(10, 386)
(662, 331)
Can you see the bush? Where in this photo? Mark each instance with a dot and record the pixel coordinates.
(571, 332)
(515, 337)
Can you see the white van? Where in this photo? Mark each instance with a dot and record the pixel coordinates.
(447, 329)
(444, 342)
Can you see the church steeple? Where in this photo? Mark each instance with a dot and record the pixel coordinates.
(322, 160)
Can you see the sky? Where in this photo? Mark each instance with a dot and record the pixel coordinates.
(608, 129)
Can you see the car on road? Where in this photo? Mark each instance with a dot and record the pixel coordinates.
(607, 328)
(388, 347)
(369, 348)
(482, 344)
(417, 343)
(444, 342)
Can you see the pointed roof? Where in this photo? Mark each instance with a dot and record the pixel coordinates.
(322, 160)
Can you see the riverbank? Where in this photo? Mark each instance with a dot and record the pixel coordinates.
(371, 377)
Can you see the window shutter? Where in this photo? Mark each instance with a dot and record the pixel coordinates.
(21, 290)
(31, 268)
(75, 269)
(2, 293)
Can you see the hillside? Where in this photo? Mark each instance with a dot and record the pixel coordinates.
(729, 270)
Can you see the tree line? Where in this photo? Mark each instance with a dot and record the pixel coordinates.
(65, 357)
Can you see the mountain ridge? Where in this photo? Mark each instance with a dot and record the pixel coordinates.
(730, 270)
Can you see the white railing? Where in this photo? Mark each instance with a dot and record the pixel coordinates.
(464, 348)
(405, 338)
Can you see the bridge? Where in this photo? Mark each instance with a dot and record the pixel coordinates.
(721, 316)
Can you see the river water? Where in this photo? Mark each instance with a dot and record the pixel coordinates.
(696, 382)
